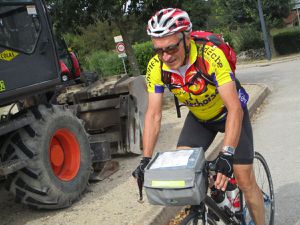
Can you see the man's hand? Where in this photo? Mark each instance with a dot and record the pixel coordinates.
(224, 167)
(138, 173)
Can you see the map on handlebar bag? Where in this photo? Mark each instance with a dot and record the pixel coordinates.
(172, 159)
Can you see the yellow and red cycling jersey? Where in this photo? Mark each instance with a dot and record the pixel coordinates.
(202, 98)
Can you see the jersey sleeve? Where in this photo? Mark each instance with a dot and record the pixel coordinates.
(220, 70)
(153, 76)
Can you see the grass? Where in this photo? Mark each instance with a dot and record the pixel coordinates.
(275, 31)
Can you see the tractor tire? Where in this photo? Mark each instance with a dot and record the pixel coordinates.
(60, 159)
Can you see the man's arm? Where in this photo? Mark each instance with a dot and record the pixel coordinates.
(232, 127)
(152, 122)
(235, 114)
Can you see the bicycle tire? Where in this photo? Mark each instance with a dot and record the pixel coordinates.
(265, 183)
(192, 219)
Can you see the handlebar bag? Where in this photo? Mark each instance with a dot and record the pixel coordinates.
(176, 178)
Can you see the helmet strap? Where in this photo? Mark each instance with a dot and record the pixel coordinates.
(186, 49)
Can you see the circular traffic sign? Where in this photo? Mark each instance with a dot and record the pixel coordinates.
(120, 47)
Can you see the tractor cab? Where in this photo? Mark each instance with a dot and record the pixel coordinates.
(29, 60)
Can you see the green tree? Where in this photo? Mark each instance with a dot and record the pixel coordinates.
(234, 14)
(129, 17)
(199, 11)
(246, 11)
(70, 15)
(94, 37)
(126, 13)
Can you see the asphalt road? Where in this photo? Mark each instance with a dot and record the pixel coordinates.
(277, 133)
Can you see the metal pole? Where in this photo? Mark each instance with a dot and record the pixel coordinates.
(124, 65)
(264, 30)
(298, 17)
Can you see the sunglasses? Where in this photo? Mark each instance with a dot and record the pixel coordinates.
(172, 49)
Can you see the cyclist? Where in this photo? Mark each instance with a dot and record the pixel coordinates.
(214, 104)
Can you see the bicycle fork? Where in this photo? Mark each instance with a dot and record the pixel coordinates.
(201, 211)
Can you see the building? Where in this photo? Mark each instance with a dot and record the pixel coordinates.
(293, 19)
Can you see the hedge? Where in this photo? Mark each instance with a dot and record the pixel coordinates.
(246, 38)
(104, 63)
(287, 42)
(143, 52)
(108, 63)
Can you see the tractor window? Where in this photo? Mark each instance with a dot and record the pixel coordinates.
(63, 53)
(19, 27)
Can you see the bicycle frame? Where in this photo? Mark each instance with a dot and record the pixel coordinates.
(212, 205)
(237, 218)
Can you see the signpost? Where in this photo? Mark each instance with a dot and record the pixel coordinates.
(264, 30)
(120, 47)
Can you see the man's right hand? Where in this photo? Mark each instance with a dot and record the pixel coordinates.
(138, 173)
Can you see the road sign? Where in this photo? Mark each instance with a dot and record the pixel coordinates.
(118, 39)
(120, 47)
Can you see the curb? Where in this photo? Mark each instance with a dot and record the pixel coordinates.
(165, 214)
(264, 62)
(265, 91)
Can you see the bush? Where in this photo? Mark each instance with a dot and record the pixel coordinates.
(108, 63)
(247, 38)
(143, 52)
(105, 63)
(287, 42)
(227, 36)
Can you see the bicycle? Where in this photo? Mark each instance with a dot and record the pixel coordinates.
(208, 212)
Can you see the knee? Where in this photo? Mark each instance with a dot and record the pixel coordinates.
(245, 179)
(247, 186)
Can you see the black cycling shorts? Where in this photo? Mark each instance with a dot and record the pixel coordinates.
(197, 134)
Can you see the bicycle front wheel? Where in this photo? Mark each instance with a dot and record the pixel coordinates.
(265, 183)
(193, 219)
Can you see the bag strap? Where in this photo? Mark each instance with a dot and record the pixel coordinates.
(205, 76)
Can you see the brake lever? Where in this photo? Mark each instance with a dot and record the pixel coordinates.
(140, 182)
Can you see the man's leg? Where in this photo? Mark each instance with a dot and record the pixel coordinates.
(194, 134)
(246, 180)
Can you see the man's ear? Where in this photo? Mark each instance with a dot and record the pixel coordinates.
(188, 38)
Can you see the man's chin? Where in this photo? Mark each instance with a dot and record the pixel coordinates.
(173, 66)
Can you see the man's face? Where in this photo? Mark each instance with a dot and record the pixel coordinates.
(170, 50)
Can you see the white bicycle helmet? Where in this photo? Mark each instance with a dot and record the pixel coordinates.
(168, 21)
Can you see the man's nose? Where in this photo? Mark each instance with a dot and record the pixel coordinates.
(166, 56)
